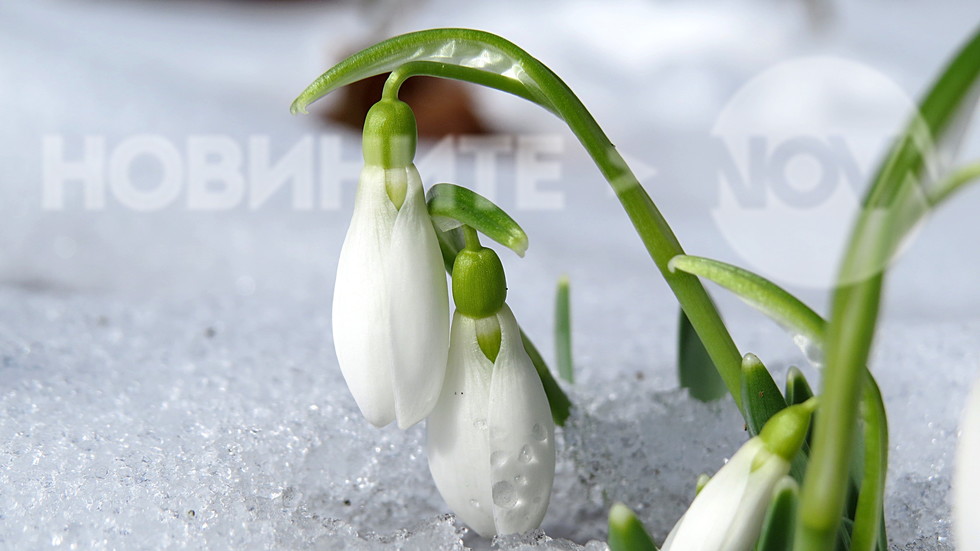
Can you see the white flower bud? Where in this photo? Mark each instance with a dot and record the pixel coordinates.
(391, 304)
(491, 436)
(966, 481)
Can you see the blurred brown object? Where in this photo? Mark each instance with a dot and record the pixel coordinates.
(442, 107)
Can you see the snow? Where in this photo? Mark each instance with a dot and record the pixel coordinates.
(167, 378)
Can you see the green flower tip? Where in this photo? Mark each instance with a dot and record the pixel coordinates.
(626, 532)
(390, 134)
(703, 480)
(479, 283)
(785, 432)
(750, 361)
(620, 516)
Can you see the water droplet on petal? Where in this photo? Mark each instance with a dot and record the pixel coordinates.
(538, 432)
(525, 456)
(498, 458)
(504, 495)
(480, 424)
(475, 503)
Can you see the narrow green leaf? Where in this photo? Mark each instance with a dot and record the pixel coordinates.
(798, 391)
(560, 404)
(626, 532)
(760, 394)
(451, 206)
(856, 301)
(777, 528)
(797, 388)
(695, 369)
(868, 522)
(563, 331)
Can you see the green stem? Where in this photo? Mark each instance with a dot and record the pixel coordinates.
(656, 234)
(471, 238)
(455, 72)
(855, 305)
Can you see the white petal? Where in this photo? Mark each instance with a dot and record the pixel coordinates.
(705, 524)
(522, 436)
(457, 442)
(747, 524)
(966, 480)
(669, 542)
(361, 327)
(419, 306)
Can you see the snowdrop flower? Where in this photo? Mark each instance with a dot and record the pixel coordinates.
(391, 305)
(728, 513)
(491, 436)
(966, 482)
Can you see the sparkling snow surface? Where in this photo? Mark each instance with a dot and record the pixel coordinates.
(167, 378)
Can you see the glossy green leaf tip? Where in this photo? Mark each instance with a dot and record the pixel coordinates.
(760, 394)
(626, 532)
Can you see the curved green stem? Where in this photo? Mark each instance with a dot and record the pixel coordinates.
(521, 74)
(956, 181)
(471, 238)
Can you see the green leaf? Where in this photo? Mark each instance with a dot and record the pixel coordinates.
(451, 206)
(797, 388)
(626, 532)
(563, 331)
(760, 394)
(798, 391)
(869, 524)
(695, 369)
(895, 199)
(777, 528)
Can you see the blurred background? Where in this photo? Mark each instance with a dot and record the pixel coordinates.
(669, 81)
(156, 194)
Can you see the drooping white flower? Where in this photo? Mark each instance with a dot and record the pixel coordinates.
(391, 306)
(966, 481)
(728, 513)
(491, 437)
